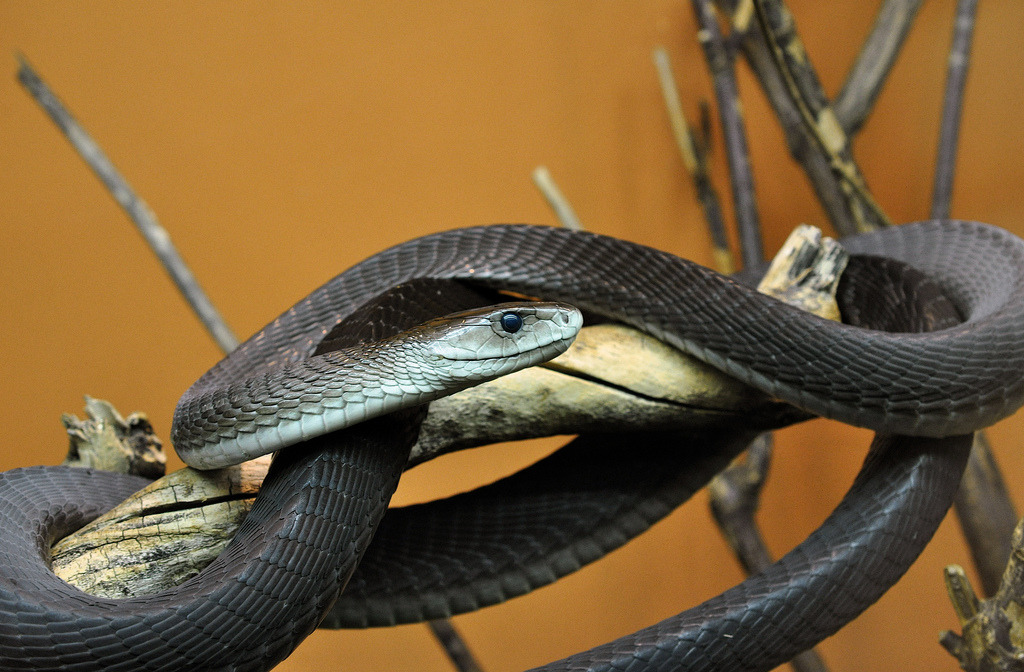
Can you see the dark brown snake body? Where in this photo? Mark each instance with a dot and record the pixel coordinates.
(281, 572)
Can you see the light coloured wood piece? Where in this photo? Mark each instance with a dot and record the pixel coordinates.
(105, 440)
(162, 534)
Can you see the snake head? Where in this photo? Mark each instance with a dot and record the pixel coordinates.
(484, 343)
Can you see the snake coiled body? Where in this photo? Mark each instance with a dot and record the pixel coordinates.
(930, 384)
(945, 383)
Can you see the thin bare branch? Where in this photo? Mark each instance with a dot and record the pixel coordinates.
(454, 646)
(735, 498)
(720, 63)
(134, 206)
(694, 155)
(952, 106)
(874, 62)
(556, 199)
(986, 513)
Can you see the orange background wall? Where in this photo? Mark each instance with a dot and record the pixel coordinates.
(280, 144)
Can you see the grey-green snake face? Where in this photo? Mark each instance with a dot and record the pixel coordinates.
(500, 339)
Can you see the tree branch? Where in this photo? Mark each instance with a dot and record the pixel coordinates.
(798, 139)
(986, 513)
(808, 96)
(135, 207)
(952, 106)
(720, 63)
(556, 199)
(874, 62)
(695, 157)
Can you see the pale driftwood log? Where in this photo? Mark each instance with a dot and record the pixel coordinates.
(162, 534)
(805, 273)
(613, 378)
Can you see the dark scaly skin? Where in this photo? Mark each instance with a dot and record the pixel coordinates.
(678, 302)
(872, 537)
(246, 611)
(889, 515)
(869, 541)
(932, 384)
(446, 557)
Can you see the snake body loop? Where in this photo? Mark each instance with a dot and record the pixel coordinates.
(928, 384)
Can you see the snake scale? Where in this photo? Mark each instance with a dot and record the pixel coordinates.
(923, 392)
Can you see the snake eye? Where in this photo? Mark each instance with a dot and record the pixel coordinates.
(511, 322)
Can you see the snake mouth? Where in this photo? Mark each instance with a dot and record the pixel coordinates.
(558, 345)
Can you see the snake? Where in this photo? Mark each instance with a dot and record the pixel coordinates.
(924, 392)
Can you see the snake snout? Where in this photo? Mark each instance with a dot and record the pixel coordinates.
(521, 334)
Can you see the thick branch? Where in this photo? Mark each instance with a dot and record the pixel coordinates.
(874, 62)
(613, 378)
(720, 63)
(806, 142)
(986, 513)
(803, 86)
(952, 105)
(801, 146)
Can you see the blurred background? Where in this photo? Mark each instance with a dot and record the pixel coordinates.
(279, 144)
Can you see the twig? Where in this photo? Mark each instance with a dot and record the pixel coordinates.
(558, 202)
(454, 646)
(735, 498)
(986, 513)
(160, 242)
(720, 62)
(808, 96)
(952, 105)
(874, 62)
(694, 155)
(136, 208)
